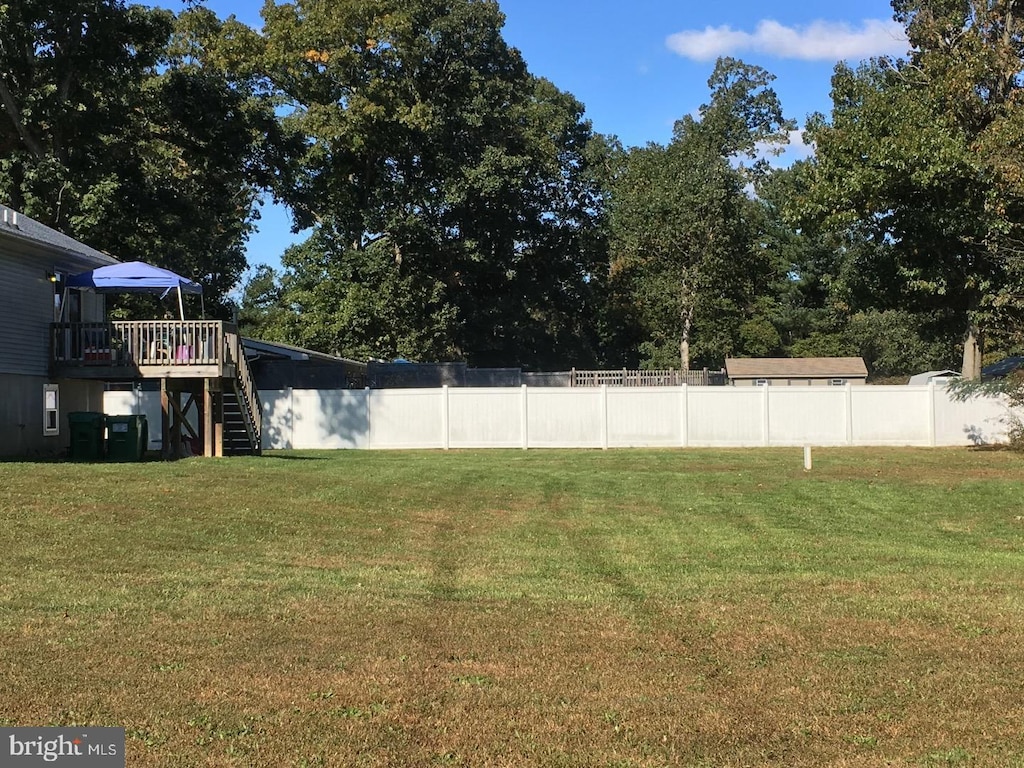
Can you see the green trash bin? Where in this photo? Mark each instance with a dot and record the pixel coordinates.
(127, 437)
(86, 435)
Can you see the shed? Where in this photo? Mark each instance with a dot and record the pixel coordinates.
(795, 371)
(929, 377)
(282, 366)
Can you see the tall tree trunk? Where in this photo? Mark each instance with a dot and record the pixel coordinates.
(14, 113)
(972, 352)
(684, 339)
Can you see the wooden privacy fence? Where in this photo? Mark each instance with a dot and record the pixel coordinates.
(641, 378)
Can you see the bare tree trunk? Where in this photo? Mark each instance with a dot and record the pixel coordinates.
(688, 296)
(972, 352)
(684, 339)
(13, 112)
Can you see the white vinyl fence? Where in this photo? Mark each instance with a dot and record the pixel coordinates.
(610, 417)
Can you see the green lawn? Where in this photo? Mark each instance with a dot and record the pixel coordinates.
(509, 608)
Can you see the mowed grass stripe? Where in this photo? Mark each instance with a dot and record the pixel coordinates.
(627, 608)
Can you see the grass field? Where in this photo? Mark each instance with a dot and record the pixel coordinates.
(543, 608)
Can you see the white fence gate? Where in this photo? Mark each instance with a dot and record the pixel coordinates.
(612, 417)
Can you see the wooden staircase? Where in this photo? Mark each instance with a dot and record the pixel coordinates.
(228, 406)
(241, 408)
(235, 437)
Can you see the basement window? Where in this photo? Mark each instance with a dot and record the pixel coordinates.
(51, 410)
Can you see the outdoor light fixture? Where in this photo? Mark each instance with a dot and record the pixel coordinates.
(52, 277)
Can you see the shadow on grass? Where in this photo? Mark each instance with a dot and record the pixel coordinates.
(292, 457)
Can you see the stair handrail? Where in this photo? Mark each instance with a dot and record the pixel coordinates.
(245, 387)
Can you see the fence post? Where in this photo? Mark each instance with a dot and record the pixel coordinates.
(291, 420)
(524, 418)
(931, 413)
(445, 436)
(604, 417)
(369, 423)
(765, 418)
(684, 417)
(849, 413)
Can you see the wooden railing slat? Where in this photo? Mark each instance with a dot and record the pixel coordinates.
(138, 343)
(642, 378)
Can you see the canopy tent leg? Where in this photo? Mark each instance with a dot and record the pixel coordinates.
(181, 305)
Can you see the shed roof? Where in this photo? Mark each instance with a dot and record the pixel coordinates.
(795, 367)
(18, 225)
(924, 378)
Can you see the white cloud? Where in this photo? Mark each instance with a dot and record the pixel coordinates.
(786, 155)
(818, 41)
(799, 149)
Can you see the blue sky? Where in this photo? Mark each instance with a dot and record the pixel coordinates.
(639, 65)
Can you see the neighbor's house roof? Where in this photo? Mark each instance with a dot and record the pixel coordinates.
(1004, 367)
(289, 351)
(20, 227)
(795, 367)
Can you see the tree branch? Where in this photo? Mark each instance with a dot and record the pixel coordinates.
(11, 108)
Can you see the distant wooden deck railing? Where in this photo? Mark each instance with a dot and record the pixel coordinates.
(640, 378)
(139, 343)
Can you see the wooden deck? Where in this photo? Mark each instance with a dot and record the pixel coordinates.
(141, 349)
(200, 359)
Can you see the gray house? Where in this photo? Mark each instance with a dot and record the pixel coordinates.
(34, 260)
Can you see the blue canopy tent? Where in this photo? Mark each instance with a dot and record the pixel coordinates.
(136, 277)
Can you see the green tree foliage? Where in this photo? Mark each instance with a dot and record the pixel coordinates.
(924, 156)
(838, 293)
(118, 129)
(688, 256)
(455, 213)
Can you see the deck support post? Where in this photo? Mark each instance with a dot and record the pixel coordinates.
(218, 422)
(208, 420)
(165, 419)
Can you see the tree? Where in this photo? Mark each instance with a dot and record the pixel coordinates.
(450, 191)
(837, 293)
(118, 129)
(685, 233)
(924, 155)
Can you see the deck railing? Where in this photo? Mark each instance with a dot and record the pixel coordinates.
(139, 343)
(640, 378)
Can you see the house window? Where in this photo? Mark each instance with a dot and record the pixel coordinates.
(51, 410)
(837, 382)
(761, 382)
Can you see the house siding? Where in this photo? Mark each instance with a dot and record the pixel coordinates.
(26, 305)
(28, 252)
(21, 413)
